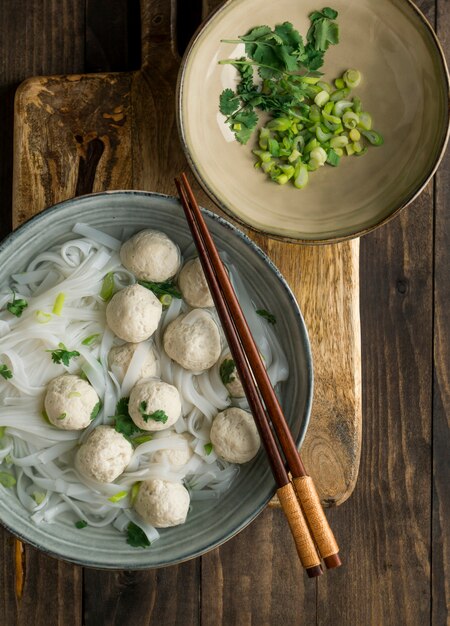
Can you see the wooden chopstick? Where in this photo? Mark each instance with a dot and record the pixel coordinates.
(304, 543)
(304, 485)
(306, 492)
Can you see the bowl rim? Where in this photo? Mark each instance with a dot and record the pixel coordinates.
(299, 240)
(54, 209)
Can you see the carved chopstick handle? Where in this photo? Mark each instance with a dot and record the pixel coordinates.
(318, 523)
(303, 542)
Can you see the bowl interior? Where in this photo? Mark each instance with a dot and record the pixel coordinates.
(209, 523)
(404, 87)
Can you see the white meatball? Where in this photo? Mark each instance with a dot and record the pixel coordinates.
(133, 313)
(119, 359)
(104, 455)
(70, 402)
(162, 503)
(234, 436)
(193, 285)
(175, 457)
(151, 256)
(193, 340)
(230, 376)
(150, 396)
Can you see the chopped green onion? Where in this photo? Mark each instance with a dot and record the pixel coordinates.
(208, 447)
(134, 491)
(165, 300)
(352, 78)
(90, 340)
(357, 147)
(340, 94)
(38, 497)
(349, 149)
(108, 286)
(42, 317)
(339, 83)
(340, 107)
(325, 86)
(141, 439)
(357, 106)
(301, 176)
(354, 134)
(319, 155)
(350, 119)
(118, 496)
(375, 138)
(339, 142)
(333, 158)
(59, 303)
(2, 431)
(322, 136)
(279, 123)
(365, 121)
(322, 98)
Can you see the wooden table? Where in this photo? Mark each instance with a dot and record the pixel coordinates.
(392, 530)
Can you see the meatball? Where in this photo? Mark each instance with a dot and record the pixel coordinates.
(70, 402)
(230, 376)
(154, 405)
(193, 285)
(193, 340)
(234, 436)
(162, 503)
(119, 359)
(151, 256)
(104, 455)
(175, 457)
(133, 313)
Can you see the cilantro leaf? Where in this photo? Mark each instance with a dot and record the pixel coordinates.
(136, 536)
(81, 523)
(161, 289)
(96, 410)
(157, 416)
(226, 371)
(17, 306)
(270, 317)
(5, 372)
(229, 102)
(63, 355)
(124, 425)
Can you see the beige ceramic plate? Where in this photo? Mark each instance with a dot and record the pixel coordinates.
(405, 88)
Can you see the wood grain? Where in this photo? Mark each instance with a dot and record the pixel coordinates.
(440, 574)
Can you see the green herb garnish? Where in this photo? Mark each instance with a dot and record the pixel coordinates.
(136, 536)
(142, 439)
(17, 306)
(120, 495)
(135, 491)
(156, 416)
(208, 447)
(7, 480)
(95, 410)
(162, 289)
(2, 431)
(226, 371)
(5, 372)
(38, 497)
(281, 58)
(90, 340)
(62, 416)
(270, 317)
(108, 286)
(63, 355)
(124, 425)
(81, 523)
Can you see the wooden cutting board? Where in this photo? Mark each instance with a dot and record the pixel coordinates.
(85, 133)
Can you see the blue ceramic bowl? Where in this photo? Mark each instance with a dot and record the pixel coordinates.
(209, 524)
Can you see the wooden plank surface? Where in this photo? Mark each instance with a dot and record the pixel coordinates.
(81, 133)
(382, 528)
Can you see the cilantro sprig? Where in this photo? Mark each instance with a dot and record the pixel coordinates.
(156, 416)
(281, 58)
(167, 288)
(5, 372)
(227, 371)
(17, 305)
(63, 355)
(270, 317)
(136, 536)
(124, 425)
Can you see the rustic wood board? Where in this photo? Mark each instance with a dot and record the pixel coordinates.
(81, 133)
